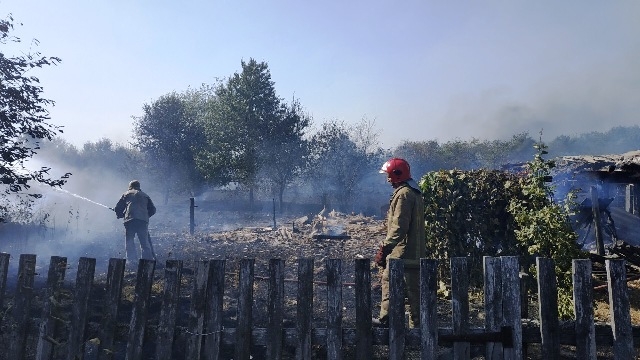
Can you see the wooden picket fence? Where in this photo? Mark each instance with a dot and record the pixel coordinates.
(48, 334)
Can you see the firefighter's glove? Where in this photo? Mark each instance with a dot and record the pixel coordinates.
(381, 256)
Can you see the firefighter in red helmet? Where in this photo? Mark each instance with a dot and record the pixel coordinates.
(405, 238)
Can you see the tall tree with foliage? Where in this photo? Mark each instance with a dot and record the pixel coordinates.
(341, 157)
(169, 134)
(248, 130)
(24, 118)
(285, 150)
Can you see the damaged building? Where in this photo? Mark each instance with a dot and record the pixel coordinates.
(615, 181)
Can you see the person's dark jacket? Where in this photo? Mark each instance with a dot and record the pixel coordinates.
(135, 204)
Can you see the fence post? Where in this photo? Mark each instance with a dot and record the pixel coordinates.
(619, 307)
(364, 340)
(460, 304)
(597, 225)
(429, 308)
(304, 308)
(511, 303)
(192, 222)
(396, 309)
(144, 281)
(275, 309)
(334, 309)
(197, 310)
(628, 198)
(548, 308)
(583, 309)
(115, 276)
(22, 305)
(170, 299)
(245, 306)
(48, 325)
(493, 303)
(215, 303)
(4, 270)
(84, 281)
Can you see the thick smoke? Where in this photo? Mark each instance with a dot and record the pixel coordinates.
(72, 222)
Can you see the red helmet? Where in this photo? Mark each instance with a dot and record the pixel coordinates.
(397, 170)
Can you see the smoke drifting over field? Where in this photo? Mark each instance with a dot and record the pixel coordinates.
(565, 105)
(72, 222)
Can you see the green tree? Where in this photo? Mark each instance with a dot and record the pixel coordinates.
(424, 156)
(285, 149)
(169, 134)
(543, 228)
(495, 154)
(341, 157)
(23, 117)
(248, 130)
(459, 154)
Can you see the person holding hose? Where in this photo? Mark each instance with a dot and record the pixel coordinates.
(405, 238)
(136, 208)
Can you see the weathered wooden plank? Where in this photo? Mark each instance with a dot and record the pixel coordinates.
(511, 303)
(597, 224)
(620, 309)
(197, 310)
(460, 304)
(603, 334)
(583, 309)
(524, 308)
(22, 305)
(275, 311)
(428, 308)
(169, 311)
(380, 336)
(48, 324)
(4, 272)
(364, 340)
(304, 311)
(334, 309)
(396, 309)
(115, 277)
(245, 307)
(138, 322)
(548, 308)
(91, 349)
(215, 302)
(493, 304)
(79, 313)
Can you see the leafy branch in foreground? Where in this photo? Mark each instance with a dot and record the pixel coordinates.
(23, 117)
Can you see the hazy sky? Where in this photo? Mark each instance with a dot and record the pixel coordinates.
(421, 69)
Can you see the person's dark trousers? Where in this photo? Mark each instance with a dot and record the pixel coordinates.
(141, 229)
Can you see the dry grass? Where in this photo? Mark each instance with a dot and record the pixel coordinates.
(602, 311)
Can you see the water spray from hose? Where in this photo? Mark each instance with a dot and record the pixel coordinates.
(83, 198)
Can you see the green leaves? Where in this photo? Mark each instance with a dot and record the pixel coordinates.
(169, 134)
(23, 117)
(542, 226)
(481, 212)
